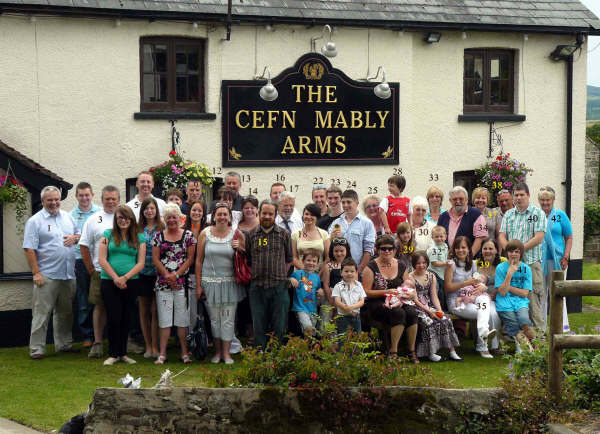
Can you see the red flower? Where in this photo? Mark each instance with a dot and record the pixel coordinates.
(172, 153)
(313, 376)
(499, 157)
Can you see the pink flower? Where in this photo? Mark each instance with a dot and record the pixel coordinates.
(313, 376)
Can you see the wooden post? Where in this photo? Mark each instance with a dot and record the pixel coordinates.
(556, 328)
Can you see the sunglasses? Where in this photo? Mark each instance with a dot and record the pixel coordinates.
(340, 241)
(386, 249)
(220, 204)
(550, 189)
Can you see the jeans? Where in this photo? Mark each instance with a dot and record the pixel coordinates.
(343, 322)
(84, 307)
(119, 303)
(269, 308)
(513, 321)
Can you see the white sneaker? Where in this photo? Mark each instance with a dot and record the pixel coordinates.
(229, 361)
(434, 358)
(486, 355)
(215, 359)
(110, 361)
(127, 360)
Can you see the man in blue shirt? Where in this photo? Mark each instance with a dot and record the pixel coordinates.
(49, 244)
(356, 228)
(82, 211)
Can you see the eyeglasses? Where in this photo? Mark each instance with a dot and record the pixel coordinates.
(123, 218)
(386, 249)
(340, 241)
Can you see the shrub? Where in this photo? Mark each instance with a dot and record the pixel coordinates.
(591, 218)
(502, 173)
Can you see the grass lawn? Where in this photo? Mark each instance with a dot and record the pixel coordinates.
(591, 272)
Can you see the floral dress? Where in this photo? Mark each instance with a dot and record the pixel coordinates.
(433, 335)
(172, 255)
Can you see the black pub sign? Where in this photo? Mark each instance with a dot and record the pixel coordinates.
(321, 116)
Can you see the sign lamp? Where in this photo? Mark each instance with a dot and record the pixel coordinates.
(329, 49)
(382, 90)
(433, 37)
(268, 92)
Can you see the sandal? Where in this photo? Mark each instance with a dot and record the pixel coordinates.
(186, 359)
(393, 354)
(412, 356)
(161, 360)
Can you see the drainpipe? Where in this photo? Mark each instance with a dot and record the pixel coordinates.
(568, 179)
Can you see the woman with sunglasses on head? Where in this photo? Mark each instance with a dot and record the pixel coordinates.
(228, 196)
(371, 209)
(215, 277)
(380, 276)
(121, 255)
(558, 241)
(331, 274)
(172, 253)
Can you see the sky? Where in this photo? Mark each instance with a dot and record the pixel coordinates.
(593, 75)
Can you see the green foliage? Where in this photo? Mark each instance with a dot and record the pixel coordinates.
(329, 361)
(176, 172)
(13, 193)
(591, 218)
(503, 172)
(593, 132)
(593, 103)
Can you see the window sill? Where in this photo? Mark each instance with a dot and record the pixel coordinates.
(490, 117)
(174, 115)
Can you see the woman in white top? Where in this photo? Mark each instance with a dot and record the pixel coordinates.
(310, 236)
(421, 226)
(461, 274)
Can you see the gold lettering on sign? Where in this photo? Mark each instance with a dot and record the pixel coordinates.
(298, 88)
(237, 118)
(341, 120)
(356, 119)
(288, 146)
(320, 146)
(329, 95)
(382, 116)
(320, 119)
(291, 120)
(257, 121)
(303, 142)
(340, 146)
(316, 93)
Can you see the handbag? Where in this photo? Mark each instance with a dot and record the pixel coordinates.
(243, 273)
(197, 339)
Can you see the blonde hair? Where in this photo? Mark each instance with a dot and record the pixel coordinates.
(433, 190)
(437, 229)
(546, 192)
(369, 197)
(478, 192)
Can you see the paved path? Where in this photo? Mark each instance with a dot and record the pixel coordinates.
(10, 427)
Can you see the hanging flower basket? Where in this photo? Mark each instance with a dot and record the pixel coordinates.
(176, 172)
(503, 173)
(13, 193)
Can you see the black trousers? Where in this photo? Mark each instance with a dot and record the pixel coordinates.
(119, 305)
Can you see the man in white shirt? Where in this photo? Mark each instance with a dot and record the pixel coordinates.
(49, 243)
(89, 244)
(144, 184)
(287, 217)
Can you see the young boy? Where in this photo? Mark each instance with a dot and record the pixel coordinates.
(308, 286)
(395, 208)
(349, 296)
(438, 257)
(514, 283)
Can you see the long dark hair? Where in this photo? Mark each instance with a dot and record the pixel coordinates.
(496, 260)
(131, 236)
(144, 221)
(339, 242)
(452, 255)
(188, 216)
(252, 200)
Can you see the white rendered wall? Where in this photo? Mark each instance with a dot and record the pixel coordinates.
(70, 88)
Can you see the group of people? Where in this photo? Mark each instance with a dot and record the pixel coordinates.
(406, 264)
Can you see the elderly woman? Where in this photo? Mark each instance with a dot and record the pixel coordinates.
(558, 241)
(172, 254)
(434, 198)
(371, 209)
(481, 199)
(381, 275)
(421, 226)
(215, 277)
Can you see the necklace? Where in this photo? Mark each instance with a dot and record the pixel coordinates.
(386, 265)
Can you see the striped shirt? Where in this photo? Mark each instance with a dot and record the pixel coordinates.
(268, 253)
(523, 226)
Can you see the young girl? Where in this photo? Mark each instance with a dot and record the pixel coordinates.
(406, 244)
(435, 328)
(395, 207)
(459, 274)
(339, 249)
(150, 223)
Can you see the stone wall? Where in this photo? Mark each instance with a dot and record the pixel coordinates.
(186, 410)
(591, 249)
(592, 159)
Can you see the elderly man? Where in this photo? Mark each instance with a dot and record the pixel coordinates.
(269, 252)
(505, 202)
(144, 184)
(49, 243)
(89, 244)
(193, 191)
(463, 220)
(288, 218)
(233, 181)
(527, 223)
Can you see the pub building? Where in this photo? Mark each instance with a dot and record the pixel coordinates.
(307, 93)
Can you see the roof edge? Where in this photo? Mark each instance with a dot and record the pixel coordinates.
(69, 11)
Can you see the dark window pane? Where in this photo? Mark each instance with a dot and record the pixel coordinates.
(499, 92)
(182, 88)
(469, 66)
(193, 62)
(473, 95)
(194, 92)
(181, 62)
(504, 67)
(160, 58)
